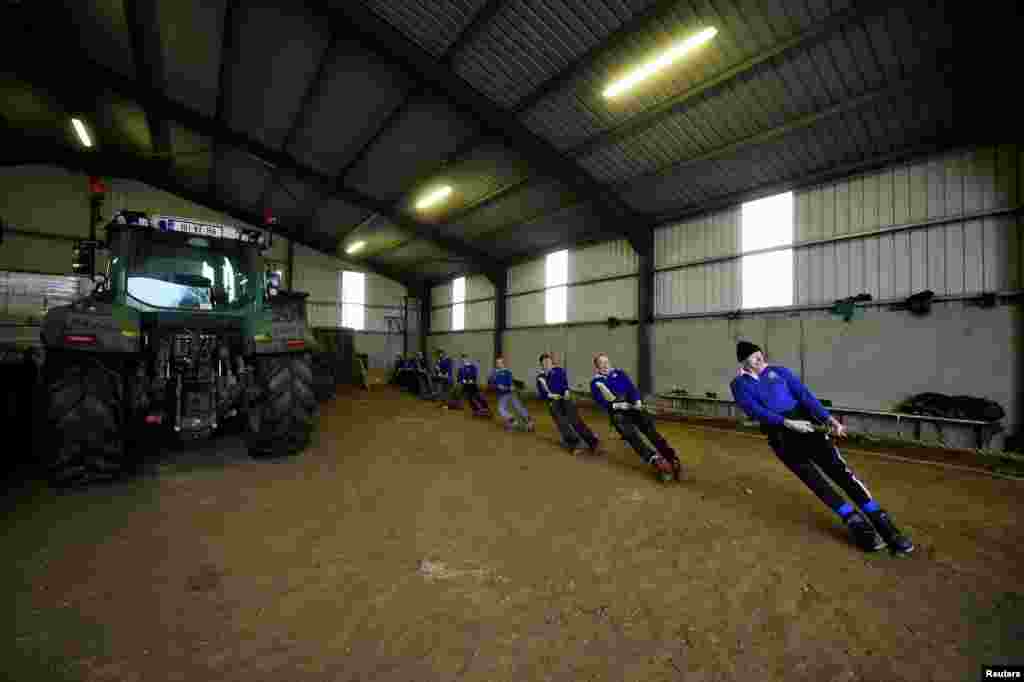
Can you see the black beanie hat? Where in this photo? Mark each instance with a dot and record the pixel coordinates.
(744, 349)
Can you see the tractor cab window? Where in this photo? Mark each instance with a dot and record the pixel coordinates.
(169, 275)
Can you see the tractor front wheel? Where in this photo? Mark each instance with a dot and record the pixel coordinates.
(84, 421)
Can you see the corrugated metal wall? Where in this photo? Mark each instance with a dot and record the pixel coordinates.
(601, 300)
(526, 310)
(953, 258)
(702, 288)
(607, 259)
(24, 296)
(319, 275)
(441, 320)
(958, 257)
(479, 313)
(526, 276)
(586, 302)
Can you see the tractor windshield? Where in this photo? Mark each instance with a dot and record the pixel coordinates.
(194, 275)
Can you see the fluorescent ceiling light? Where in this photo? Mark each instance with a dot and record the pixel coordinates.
(666, 58)
(83, 134)
(355, 247)
(434, 197)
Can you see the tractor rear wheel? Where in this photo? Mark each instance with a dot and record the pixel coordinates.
(283, 410)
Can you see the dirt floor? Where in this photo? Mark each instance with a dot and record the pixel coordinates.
(413, 543)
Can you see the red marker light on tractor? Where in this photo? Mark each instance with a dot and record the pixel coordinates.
(296, 343)
(154, 419)
(80, 339)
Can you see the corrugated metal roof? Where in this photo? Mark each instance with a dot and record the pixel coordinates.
(280, 49)
(240, 178)
(292, 201)
(416, 253)
(378, 233)
(432, 25)
(570, 223)
(193, 156)
(796, 87)
(529, 41)
(536, 198)
(357, 93)
(482, 173)
(190, 36)
(878, 128)
(429, 129)
(579, 111)
(103, 26)
(335, 217)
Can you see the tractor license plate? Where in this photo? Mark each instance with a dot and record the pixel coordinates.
(190, 227)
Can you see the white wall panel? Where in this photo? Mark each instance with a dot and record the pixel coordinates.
(599, 301)
(441, 319)
(698, 289)
(709, 236)
(951, 259)
(480, 315)
(323, 314)
(526, 276)
(441, 294)
(606, 259)
(389, 319)
(525, 310)
(381, 348)
(478, 286)
(383, 291)
(316, 274)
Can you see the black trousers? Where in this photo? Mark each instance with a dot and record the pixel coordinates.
(476, 399)
(631, 423)
(809, 455)
(570, 425)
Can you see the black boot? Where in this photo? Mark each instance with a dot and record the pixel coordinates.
(864, 536)
(897, 541)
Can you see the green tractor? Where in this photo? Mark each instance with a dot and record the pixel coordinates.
(185, 335)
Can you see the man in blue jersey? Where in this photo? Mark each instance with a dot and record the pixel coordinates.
(470, 389)
(613, 390)
(788, 413)
(553, 388)
(510, 407)
(444, 379)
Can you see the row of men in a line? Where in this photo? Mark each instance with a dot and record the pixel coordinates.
(800, 429)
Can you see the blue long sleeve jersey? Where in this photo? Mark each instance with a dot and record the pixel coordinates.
(619, 383)
(777, 391)
(501, 379)
(557, 382)
(468, 374)
(444, 366)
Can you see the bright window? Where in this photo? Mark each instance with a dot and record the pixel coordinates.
(459, 307)
(353, 300)
(767, 277)
(556, 277)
